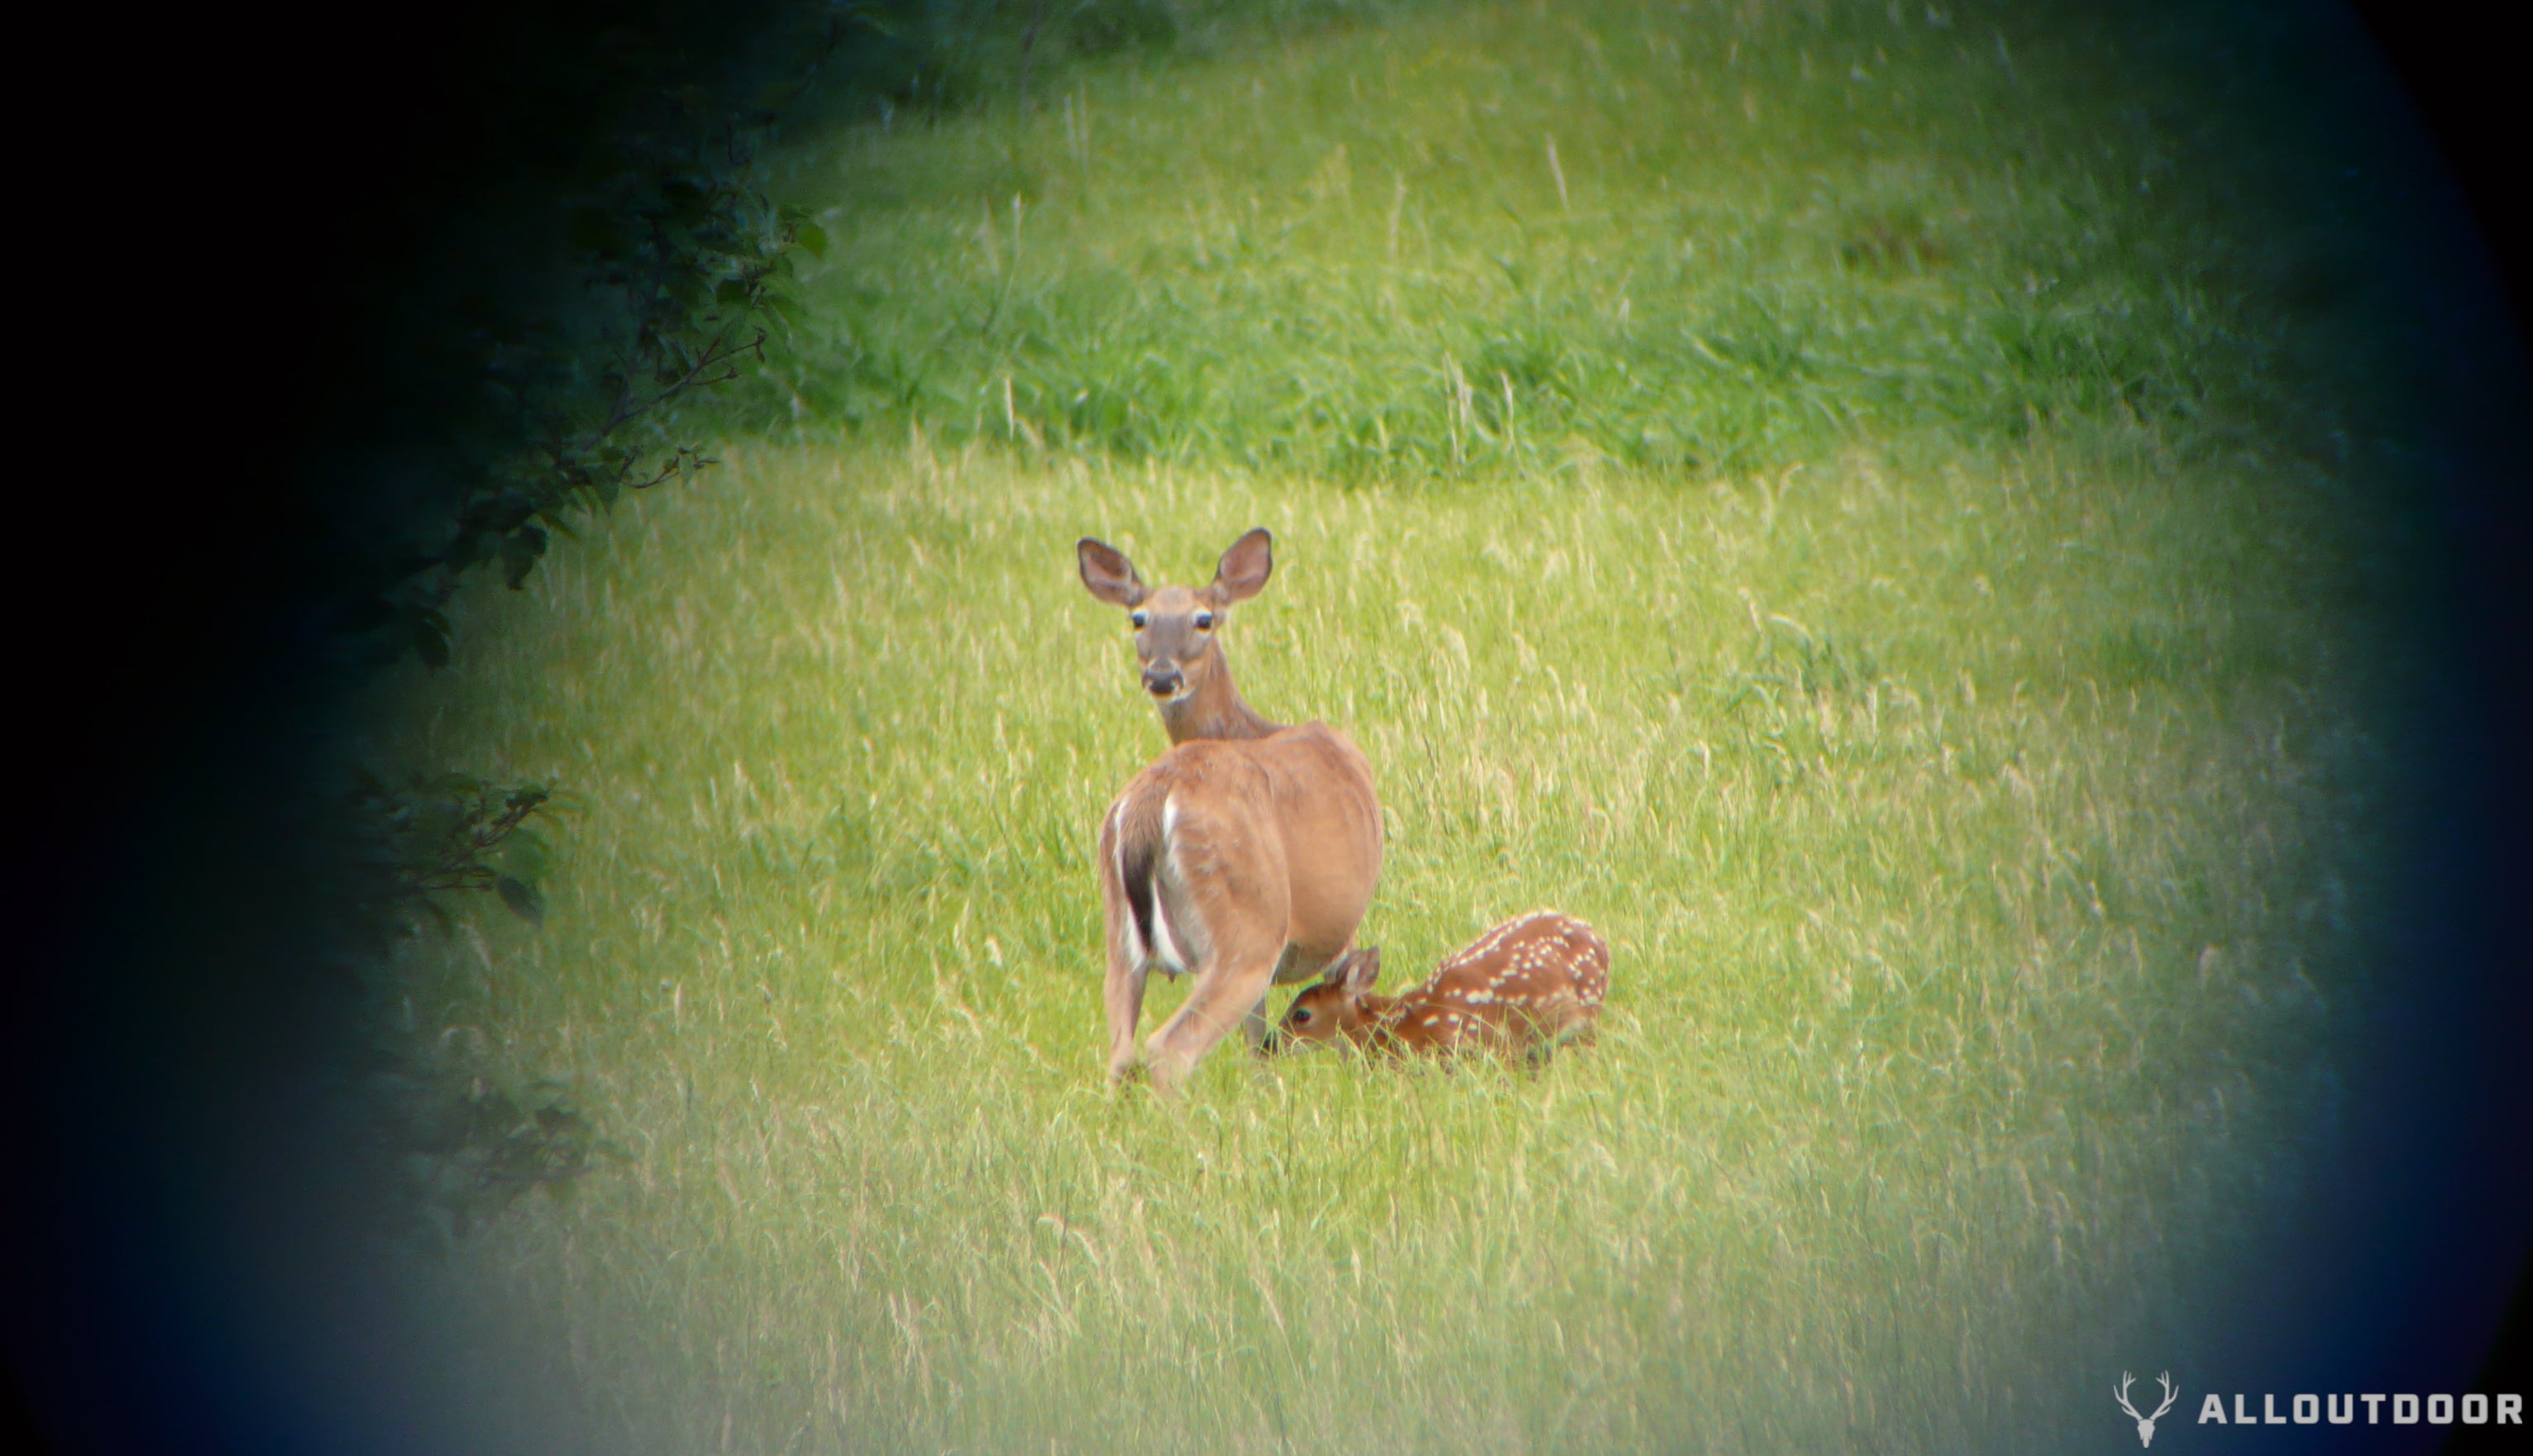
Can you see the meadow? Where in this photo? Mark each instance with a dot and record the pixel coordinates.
(1833, 497)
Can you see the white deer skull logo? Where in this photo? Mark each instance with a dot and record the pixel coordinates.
(2146, 1424)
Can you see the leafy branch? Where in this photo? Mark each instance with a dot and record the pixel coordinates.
(549, 348)
(687, 271)
(565, 340)
(449, 834)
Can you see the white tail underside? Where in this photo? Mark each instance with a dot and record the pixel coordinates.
(1167, 953)
(1173, 952)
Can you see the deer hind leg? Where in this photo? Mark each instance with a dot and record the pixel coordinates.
(1125, 999)
(1569, 1023)
(1241, 940)
(1227, 904)
(1228, 992)
(1570, 1018)
(1128, 966)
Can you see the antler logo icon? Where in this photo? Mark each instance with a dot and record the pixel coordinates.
(2146, 1424)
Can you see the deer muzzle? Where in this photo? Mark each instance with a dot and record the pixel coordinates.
(1164, 681)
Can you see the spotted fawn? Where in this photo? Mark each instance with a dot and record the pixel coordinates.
(1526, 986)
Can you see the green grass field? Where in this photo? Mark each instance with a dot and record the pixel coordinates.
(1814, 493)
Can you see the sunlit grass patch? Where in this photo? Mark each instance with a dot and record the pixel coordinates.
(1940, 943)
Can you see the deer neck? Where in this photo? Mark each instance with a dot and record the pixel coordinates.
(1215, 710)
(1380, 1017)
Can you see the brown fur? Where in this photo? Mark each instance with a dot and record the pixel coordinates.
(1527, 986)
(1250, 849)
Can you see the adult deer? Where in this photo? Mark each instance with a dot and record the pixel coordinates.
(1528, 986)
(1246, 855)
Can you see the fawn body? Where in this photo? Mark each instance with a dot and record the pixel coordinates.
(1528, 985)
(1246, 855)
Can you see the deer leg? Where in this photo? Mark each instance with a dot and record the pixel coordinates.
(1295, 963)
(1254, 1025)
(1228, 991)
(1124, 988)
(1125, 996)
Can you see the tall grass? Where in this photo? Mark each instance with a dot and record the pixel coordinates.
(1815, 523)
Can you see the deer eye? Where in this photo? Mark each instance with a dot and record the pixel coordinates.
(1302, 1018)
(1140, 619)
(1205, 621)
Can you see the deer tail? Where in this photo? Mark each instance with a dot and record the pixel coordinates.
(1140, 844)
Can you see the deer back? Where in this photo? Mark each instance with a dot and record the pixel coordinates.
(1287, 825)
(1532, 981)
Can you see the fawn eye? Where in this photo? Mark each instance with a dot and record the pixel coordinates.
(1302, 1018)
(1139, 618)
(1205, 621)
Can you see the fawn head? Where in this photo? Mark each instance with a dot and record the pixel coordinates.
(1332, 1007)
(1175, 628)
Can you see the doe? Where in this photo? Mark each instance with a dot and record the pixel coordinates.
(1246, 855)
(1527, 986)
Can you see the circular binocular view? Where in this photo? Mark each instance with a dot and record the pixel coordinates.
(1319, 727)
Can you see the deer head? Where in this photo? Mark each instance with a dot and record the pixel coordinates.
(1177, 634)
(2146, 1424)
(1333, 1006)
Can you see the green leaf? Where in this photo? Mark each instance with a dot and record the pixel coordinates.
(519, 553)
(731, 291)
(431, 639)
(522, 899)
(524, 856)
(812, 239)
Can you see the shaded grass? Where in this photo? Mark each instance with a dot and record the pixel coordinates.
(1895, 620)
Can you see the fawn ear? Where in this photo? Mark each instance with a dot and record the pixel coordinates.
(1338, 972)
(1242, 571)
(1109, 575)
(1355, 972)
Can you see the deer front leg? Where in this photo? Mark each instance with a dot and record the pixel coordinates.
(1295, 963)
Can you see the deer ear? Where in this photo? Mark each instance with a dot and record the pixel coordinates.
(1244, 569)
(1107, 573)
(1336, 972)
(1358, 970)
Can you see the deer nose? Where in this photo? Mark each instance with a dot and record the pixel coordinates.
(1161, 682)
